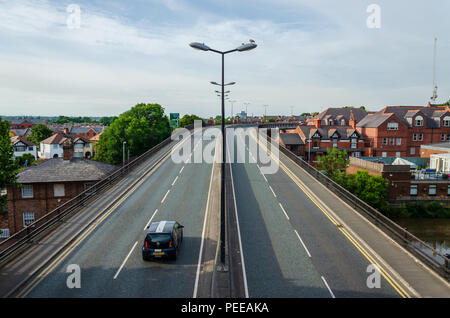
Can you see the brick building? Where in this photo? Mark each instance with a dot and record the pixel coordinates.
(19, 123)
(399, 131)
(47, 186)
(438, 148)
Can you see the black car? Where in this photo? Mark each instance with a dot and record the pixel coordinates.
(162, 240)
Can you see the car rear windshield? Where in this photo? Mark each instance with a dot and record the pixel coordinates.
(158, 237)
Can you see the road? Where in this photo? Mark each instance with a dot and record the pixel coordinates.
(290, 247)
(110, 257)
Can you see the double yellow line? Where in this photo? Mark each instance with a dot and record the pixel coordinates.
(36, 281)
(352, 240)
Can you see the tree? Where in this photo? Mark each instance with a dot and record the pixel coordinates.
(26, 159)
(188, 120)
(335, 160)
(9, 169)
(39, 133)
(142, 127)
(107, 121)
(305, 114)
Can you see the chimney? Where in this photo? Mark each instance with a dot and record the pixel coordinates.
(352, 120)
(318, 123)
(67, 149)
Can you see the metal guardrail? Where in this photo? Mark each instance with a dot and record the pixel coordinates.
(435, 260)
(46, 223)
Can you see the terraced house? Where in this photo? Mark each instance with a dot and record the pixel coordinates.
(52, 147)
(399, 131)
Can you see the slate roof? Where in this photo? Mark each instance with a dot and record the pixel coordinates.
(342, 112)
(327, 132)
(59, 170)
(21, 132)
(291, 139)
(61, 137)
(17, 139)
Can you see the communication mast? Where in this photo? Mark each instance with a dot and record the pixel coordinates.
(434, 96)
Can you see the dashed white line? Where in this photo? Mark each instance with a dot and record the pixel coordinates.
(304, 246)
(174, 180)
(273, 192)
(287, 216)
(125, 260)
(329, 289)
(262, 173)
(165, 196)
(149, 221)
(181, 170)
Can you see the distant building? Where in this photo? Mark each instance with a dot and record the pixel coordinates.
(21, 132)
(22, 146)
(52, 147)
(19, 123)
(48, 185)
(441, 147)
(86, 130)
(337, 117)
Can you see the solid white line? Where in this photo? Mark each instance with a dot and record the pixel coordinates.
(262, 173)
(272, 191)
(332, 295)
(165, 196)
(149, 221)
(181, 170)
(287, 216)
(125, 260)
(238, 230)
(174, 181)
(304, 246)
(197, 275)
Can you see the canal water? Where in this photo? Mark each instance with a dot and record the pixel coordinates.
(435, 232)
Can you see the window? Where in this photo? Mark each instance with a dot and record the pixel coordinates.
(418, 121)
(385, 141)
(448, 190)
(414, 137)
(342, 122)
(384, 154)
(443, 137)
(392, 141)
(58, 190)
(446, 121)
(30, 148)
(353, 143)
(448, 137)
(413, 151)
(20, 148)
(27, 191)
(335, 143)
(399, 141)
(28, 218)
(397, 154)
(357, 154)
(420, 137)
(392, 126)
(413, 189)
(4, 233)
(432, 189)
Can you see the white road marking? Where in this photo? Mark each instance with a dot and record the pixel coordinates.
(125, 260)
(304, 246)
(272, 191)
(325, 282)
(150, 221)
(174, 181)
(262, 173)
(197, 275)
(287, 216)
(181, 170)
(165, 196)
(238, 230)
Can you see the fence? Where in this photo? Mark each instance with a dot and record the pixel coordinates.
(437, 261)
(49, 221)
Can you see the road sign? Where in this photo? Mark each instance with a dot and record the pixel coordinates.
(174, 120)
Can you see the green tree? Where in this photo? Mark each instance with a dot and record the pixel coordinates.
(142, 127)
(9, 169)
(39, 133)
(27, 158)
(107, 121)
(335, 160)
(189, 119)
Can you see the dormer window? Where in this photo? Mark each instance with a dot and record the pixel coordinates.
(446, 121)
(418, 121)
(392, 126)
(342, 122)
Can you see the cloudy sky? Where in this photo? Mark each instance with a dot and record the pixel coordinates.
(311, 54)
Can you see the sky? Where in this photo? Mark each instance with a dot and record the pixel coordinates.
(311, 55)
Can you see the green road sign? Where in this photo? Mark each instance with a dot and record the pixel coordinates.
(174, 120)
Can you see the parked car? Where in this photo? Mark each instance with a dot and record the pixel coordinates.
(162, 240)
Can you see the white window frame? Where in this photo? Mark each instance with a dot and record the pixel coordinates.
(414, 189)
(420, 137)
(385, 141)
(57, 191)
(432, 186)
(4, 233)
(446, 121)
(27, 195)
(384, 154)
(28, 217)
(397, 154)
(399, 141)
(392, 126)
(443, 137)
(412, 151)
(414, 137)
(418, 121)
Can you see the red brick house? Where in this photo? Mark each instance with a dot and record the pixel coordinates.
(399, 131)
(18, 123)
(48, 185)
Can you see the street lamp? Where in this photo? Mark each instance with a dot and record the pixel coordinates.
(203, 47)
(123, 152)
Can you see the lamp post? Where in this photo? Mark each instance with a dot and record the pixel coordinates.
(232, 104)
(202, 47)
(123, 153)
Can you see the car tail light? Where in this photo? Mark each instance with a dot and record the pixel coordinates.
(170, 244)
(146, 244)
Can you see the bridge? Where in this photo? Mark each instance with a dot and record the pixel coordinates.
(289, 233)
